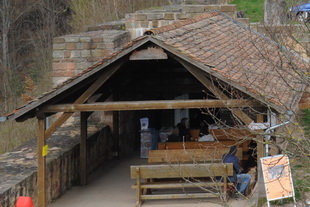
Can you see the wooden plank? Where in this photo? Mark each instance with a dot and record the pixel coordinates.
(83, 148)
(210, 154)
(195, 145)
(181, 171)
(87, 94)
(41, 164)
(216, 91)
(180, 196)
(231, 134)
(172, 185)
(149, 105)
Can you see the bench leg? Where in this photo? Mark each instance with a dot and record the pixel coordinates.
(139, 190)
(225, 185)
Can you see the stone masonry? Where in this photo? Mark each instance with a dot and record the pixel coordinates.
(18, 169)
(137, 23)
(76, 52)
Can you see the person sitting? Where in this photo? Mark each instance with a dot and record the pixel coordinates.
(242, 180)
(183, 127)
(174, 137)
(204, 135)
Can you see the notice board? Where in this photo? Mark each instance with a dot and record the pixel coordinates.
(277, 177)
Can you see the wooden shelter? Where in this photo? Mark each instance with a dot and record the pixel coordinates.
(220, 62)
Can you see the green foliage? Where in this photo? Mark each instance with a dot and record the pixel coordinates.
(306, 120)
(254, 9)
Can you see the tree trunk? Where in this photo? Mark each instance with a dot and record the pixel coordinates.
(5, 53)
(275, 12)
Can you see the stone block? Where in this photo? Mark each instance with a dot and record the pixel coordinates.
(85, 39)
(86, 46)
(231, 14)
(59, 46)
(97, 53)
(58, 40)
(97, 39)
(212, 7)
(110, 45)
(58, 54)
(71, 46)
(185, 15)
(72, 38)
(155, 23)
(99, 46)
(85, 53)
(80, 46)
(169, 16)
(140, 17)
(82, 66)
(67, 54)
(228, 8)
(75, 54)
(145, 24)
(63, 69)
(92, 59)
(155, 16)
(193, 9)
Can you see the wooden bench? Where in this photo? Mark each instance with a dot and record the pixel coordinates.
(185, 176)
(206, 155)
(204, 145)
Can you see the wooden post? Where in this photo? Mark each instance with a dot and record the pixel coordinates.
(41, 164)
(83, 148)
(116, 134)
(225, 183)
(260, 145)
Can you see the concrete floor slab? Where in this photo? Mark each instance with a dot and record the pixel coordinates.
(110, 186)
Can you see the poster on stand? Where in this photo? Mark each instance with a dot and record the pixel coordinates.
(277, 177)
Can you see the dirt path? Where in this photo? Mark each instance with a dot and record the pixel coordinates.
(110, 185)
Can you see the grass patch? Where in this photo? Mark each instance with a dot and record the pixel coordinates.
(14, 134)
(306, 120)
(254, 9)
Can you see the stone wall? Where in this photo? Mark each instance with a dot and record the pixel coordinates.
(18, 169)
(137, 23)
(76, 52)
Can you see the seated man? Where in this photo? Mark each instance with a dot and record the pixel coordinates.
(174, 137)
(242, 180)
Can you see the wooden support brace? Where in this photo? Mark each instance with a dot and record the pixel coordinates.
(87, 94)
(41, 164)
(216, 91)
(83, 149)
(260, 145)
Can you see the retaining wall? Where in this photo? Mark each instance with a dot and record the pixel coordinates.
(18, 169)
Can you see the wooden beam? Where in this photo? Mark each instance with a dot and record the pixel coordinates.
(41, 164)
(215, 90)
(260, 145)
(87, 94)
(149, 105)
(83, 148)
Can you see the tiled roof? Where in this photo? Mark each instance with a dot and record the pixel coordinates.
(239, 55)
